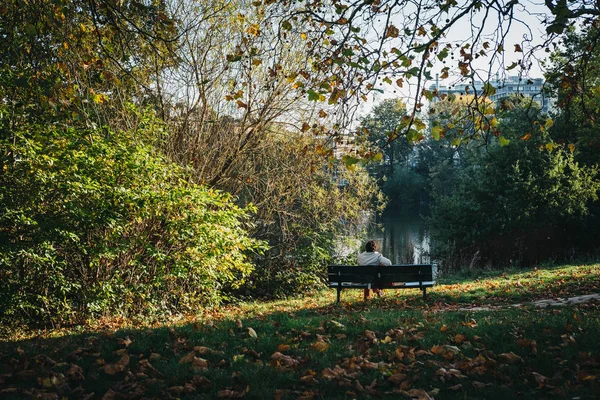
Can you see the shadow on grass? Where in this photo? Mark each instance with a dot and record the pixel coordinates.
(396, 346)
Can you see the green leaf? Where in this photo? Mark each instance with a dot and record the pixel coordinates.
(349, 160)
(503, 141)
(286, 25)
(488, 89)
(233, 57)
(413, 71)
(436, 131)
(312, 95)
(443, 54)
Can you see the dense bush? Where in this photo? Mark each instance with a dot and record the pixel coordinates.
(95, 224)
(518, 203)
(301, 210)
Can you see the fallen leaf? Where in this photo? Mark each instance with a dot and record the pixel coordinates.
(282, 361)
(459, 338)
(456, 387)
(238, 323)
(540, 379)
(200, 363)
(109, 395)
(478, 385)
(444, 328)
(283, 347)
(320, 346)
(309, 380)
(509, 358)
(124, 361)
(397, 378)
(201, 382)
(188, 358)
(112, 369)
(75, 373)
(252, 333)
(419, 394)
(230, 394)
(371, 335)
(124, 342)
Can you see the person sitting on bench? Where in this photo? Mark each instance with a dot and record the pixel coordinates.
(372, 257)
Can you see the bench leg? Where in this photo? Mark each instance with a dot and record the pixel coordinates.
(424, 293)
(339, 290)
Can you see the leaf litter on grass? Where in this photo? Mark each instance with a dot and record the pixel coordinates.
(398, 346)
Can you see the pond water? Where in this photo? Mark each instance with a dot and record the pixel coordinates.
(402, 237)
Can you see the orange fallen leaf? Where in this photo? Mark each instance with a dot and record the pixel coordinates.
(309, 380)
(320, 346)
(200, 363)
(444, 328)
(397, 378)
(112, 369)
(459, 338)
(188, 358)
(283, 347)
(124, 361)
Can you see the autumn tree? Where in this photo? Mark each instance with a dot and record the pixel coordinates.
(400, 45)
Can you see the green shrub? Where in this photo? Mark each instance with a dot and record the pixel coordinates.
(103, 224)
(518, 204)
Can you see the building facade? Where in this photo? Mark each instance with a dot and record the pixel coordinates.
(509, 86)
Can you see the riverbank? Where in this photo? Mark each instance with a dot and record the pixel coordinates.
(454, 345)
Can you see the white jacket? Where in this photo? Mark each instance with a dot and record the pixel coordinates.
(373, 258)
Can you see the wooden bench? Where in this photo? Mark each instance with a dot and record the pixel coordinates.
(403, 276)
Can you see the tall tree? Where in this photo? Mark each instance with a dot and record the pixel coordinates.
(381, 128)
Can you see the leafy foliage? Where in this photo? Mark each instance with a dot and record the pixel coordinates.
(514, 202)
(97, 223)
(303, 207)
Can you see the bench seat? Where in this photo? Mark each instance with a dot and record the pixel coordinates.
(400, 276)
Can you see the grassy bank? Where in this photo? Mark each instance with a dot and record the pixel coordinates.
(476, 336)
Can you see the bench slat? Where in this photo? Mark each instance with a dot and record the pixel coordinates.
(386, 277)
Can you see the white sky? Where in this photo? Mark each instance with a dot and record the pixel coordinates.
(525, 29)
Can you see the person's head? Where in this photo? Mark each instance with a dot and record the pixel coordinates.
(371, 246)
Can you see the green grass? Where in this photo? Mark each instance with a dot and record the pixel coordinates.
(468, 340)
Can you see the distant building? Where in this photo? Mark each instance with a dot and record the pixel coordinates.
(512, 85)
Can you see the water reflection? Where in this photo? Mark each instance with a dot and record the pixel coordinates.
(402, 237)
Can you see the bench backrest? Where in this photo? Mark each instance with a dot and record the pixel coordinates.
(379, 273)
